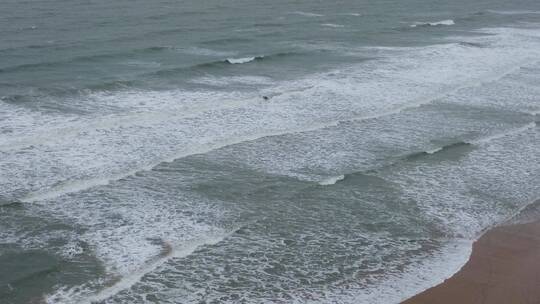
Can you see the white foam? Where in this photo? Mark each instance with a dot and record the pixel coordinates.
(333, 25)
(243, 60)
(415, 278)
(79, 185)
(488, 139)
(126, 282)
(87, 151)
(307, 14)
(71, 187)
(144, 64)
(173, 119)
(332, 180)
(442, 22)
(433, 151)
(514, 12)
(234, 80)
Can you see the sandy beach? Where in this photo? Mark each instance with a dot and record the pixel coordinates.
(503, 268)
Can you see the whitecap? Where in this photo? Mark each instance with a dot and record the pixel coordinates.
(514, 12)
(242, 60)
(307, 14)
(79, 294)
(433, 151)
(438, 23)
(144, 64)
(332, 25)
(233, 80)
(164, 113)
(332, 180)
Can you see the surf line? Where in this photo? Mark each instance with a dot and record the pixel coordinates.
(474, 142)
(81, 185)
(169, 252)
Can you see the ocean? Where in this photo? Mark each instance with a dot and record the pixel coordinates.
(259, 151)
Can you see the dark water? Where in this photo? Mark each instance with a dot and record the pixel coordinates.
(140, 163)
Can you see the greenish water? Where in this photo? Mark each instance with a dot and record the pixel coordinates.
(259, 151)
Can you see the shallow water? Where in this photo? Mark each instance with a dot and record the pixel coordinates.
(140, 163)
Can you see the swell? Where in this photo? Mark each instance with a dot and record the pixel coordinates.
(115, 284)
(84, 59)
(126, 55)
(511, 12)
(40, 93)
(10, 204)
(225, 41)
(446, 22)
(451, 151)
(438, 151)
(463, 18)
(131, 118)
(123, 84)
(80, 185)
(222, 64)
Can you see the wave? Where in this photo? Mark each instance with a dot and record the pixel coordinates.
(479, 141)
(83, 59)
(80, 185)
(472, 44)
(115, 285)
(206, 52)
(446, 148)
(438, 23)
(202, 52)
(243, 60)
(534, 113)
(528, 213)
(306, 14)
(141, 63)
(515, 131)
(227, 41)
(48, 44)
(47, 97)
(73, 187)
(514, 12)
(268, 24)
(332, 180)
(10, 204)
(50, 190)
(234, 80)
(332, 25)
(459, 148)
(222, 63)
(414, 278)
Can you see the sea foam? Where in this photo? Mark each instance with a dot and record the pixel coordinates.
(243, 60)
(438, 23)
(332, 180)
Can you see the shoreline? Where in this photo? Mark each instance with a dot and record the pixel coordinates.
(503, 268)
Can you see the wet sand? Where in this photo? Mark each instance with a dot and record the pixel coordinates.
(504, 268)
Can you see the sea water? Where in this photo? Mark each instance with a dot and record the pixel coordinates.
(259, 151)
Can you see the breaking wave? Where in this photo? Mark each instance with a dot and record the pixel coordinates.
(438, 23)
(243, 60)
